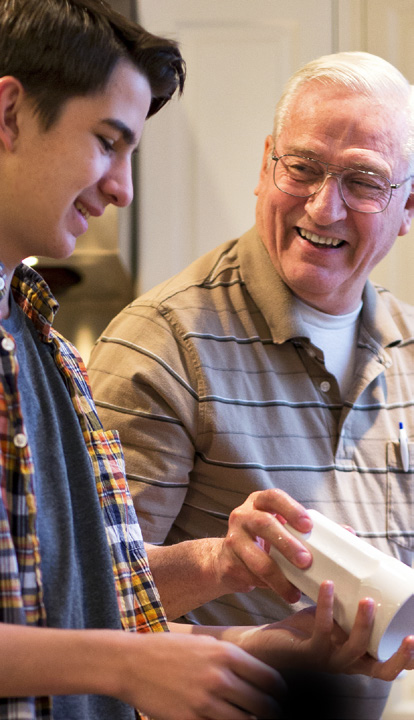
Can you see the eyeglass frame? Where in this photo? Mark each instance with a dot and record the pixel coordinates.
(338, 177)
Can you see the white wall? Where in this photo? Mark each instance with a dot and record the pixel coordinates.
(200, 157)
(388, 28)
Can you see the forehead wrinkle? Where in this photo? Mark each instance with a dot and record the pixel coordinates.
(371, 163)
(376, 131)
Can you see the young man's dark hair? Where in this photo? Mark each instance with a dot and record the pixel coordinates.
(60, 49)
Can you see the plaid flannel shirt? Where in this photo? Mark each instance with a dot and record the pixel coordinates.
(21, 595)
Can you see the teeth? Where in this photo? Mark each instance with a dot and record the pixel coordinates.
(82, 209)
(318, 240)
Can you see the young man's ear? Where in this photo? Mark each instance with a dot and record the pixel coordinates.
(11, 97)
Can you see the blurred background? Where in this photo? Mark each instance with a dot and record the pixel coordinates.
(199, 159)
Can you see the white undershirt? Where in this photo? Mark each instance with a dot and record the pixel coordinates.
(336, 336)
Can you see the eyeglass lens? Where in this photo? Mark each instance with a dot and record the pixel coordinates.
(302, 177)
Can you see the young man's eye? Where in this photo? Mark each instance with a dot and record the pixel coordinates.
(106, 144)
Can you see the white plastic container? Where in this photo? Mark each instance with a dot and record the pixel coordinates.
(358, 570)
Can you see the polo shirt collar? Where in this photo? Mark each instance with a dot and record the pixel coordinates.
(276, 301)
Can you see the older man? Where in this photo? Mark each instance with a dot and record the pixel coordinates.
(273, 362)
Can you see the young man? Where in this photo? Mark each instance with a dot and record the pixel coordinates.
(77, 83)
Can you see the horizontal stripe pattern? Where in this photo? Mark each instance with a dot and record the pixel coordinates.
(216, 393)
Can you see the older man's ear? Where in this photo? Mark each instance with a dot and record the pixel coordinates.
(268, 149)
(408, 213)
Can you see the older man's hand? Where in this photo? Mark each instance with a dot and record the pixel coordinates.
(253, 527)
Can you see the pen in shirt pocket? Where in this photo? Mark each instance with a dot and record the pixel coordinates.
(403, 447)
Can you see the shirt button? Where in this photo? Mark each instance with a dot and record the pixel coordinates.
(7, 344)
(325, 386)
(20, 440)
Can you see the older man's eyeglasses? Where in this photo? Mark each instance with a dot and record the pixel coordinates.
(361, 190)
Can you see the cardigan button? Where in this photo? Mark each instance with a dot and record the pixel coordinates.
(20, 440)
(8, 344)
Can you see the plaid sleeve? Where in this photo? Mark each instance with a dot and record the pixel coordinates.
(138, 599)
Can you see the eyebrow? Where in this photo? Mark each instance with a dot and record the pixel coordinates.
(357, 165)
(128, 135)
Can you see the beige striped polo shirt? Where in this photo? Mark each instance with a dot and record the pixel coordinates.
(217, 392)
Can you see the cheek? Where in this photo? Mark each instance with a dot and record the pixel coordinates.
(282, 214)
(376, 239)
(277, 213)
(266, 221)
(269, 205)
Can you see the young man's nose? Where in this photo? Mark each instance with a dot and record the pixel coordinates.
(117, 185)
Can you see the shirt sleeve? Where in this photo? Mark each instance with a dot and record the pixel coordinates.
(145, 386)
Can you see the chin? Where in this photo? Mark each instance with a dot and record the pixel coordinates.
(63, 249)
(315, 279)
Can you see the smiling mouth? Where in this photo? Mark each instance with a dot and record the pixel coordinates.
(82, 209)
(318, 240)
